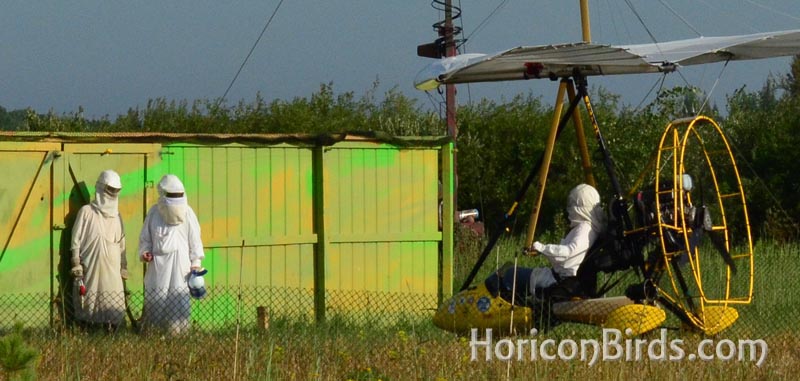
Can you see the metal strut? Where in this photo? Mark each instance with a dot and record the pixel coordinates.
(505, 223)
(619, 206)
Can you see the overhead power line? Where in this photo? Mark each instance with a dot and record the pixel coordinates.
(253, 48)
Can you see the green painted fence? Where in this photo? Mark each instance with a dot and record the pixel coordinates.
(326, 224)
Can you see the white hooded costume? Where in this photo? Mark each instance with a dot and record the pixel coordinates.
(171, 233)
(98, 255)
(587, 221)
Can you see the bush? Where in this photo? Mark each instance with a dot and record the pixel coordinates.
(17, 359)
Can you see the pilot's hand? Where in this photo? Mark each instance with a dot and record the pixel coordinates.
(537, 246)
(147, 256)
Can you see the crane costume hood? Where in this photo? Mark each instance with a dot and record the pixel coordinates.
(107, 202)
(171, 200)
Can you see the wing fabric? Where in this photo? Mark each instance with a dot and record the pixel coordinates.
(705, 50)
(564, 60)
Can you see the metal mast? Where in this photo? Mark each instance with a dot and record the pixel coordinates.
(445, 46)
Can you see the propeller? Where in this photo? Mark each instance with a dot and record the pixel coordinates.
(702, 224)
(719, 244)
(677, 270)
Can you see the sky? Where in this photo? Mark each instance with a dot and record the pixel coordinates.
(109, 56)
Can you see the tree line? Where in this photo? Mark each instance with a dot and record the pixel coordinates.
(498, 142)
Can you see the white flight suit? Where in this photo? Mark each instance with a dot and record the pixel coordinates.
(587, 221)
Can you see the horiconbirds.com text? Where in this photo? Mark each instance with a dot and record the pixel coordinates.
(613, 347)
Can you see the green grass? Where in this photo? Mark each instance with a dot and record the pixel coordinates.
(332, 352)
(413, 349)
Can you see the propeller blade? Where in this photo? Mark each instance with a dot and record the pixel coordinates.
(702, 223)
(676, 269)
(723, 251)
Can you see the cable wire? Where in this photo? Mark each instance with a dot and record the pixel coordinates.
(641, 21)
(477, 29)
(773, 10)
(716, 82)
(680, 17)
(485, 20)
(741, 158)
(461, 49)
(441, 27)
(660, 83)
(253, 48)
(725, 11)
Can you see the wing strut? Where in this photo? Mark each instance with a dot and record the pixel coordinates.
(619, 206)
(505, 223)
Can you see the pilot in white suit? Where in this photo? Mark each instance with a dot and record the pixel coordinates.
(587, 222)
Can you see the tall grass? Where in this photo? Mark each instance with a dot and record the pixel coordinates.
(413, 349)
(358, 353)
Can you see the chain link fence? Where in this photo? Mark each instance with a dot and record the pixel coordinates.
(220, 308)
(266, 332)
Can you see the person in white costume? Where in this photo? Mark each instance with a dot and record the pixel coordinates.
(170, 244)
(98, 256)
(587, 222)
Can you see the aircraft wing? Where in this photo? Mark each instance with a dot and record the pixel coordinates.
(564, 60)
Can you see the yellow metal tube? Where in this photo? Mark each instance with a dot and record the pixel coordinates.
(548, 154)
(585, 25)
(586, 162)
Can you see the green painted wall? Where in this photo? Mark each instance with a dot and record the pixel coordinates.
(337, 220)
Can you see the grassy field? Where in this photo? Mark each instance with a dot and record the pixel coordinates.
(421, 352)
(414, 349)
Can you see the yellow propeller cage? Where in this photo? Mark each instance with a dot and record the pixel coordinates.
(710, 313)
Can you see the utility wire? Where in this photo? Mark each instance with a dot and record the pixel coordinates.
(486, 19)
(253, 48)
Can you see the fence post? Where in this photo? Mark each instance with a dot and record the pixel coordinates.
(446, 259)
(319, 228)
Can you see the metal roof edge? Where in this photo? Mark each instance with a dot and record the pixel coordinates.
(211, 138)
